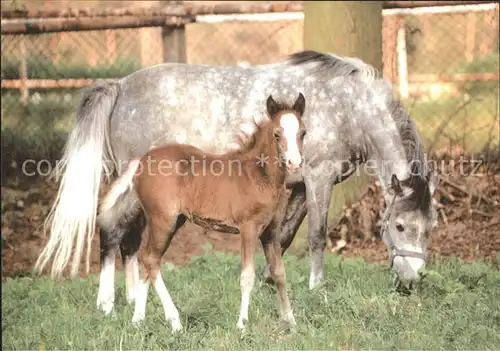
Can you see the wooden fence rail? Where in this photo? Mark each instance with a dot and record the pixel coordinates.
(413, 79)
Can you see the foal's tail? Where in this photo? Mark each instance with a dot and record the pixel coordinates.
(73, 215)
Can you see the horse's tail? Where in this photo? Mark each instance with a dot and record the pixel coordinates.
(111, 211)
(72, 217)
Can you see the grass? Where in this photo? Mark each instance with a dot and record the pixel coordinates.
(456, 308)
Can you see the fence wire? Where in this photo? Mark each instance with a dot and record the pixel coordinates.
(444, 65)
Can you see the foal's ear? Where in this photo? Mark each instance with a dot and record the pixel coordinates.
(300, 104)
(396, 185)
(272, 107)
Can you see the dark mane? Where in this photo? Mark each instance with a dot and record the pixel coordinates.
(420, 198)
(326, 61)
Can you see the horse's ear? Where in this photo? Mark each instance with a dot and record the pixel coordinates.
(272, 107)
(396, 185)
(300, 104)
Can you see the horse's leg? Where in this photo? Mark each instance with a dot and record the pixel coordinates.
(161, 231)
(249, 235)
(272, 251)
(129, 247)
(318, 193)
(296, 211)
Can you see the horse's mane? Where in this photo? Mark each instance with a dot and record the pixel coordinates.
(418, 181)
(333, 64)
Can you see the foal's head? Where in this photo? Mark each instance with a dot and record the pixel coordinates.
(288, 129)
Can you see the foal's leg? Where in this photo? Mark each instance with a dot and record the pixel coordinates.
(272, 251)
(161, 231)
(129, 248)
(110, 240)
(114, 221)
(294, 216)
(112, 230)
(249, 236)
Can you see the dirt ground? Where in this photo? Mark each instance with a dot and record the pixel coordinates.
(469, 224)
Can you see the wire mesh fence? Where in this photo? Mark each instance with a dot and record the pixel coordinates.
(444, 64)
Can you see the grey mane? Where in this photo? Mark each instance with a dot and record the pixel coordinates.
(328, 63)
(418, 181)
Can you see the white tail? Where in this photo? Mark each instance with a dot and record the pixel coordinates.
(73, 215)
(120, 186)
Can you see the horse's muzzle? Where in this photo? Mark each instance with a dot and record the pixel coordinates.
(293, 165)
(407, 268)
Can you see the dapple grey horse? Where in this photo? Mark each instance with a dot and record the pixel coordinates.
(352, 118)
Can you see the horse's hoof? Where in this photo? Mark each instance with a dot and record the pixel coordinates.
(106, 306)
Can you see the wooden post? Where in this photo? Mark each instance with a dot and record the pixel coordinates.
(23, 71)
(402, 64)
(174, 44)
(111, 45)
(346, 28)
(470, 35)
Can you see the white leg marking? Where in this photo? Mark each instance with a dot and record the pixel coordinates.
(288, 317)
(106, 294)
(131, 277)
(171, 313)
(141, 298)
(246, 284)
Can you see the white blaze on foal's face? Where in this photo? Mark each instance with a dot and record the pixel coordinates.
(290, 126)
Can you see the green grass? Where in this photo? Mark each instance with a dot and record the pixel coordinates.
(457, 307)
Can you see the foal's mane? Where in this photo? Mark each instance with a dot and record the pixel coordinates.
(248, 143)
(420, 198)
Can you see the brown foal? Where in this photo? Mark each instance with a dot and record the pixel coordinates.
(241, 192)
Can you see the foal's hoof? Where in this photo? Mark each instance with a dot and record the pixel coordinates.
(267, 279)
(288, 317)
(137, 319)
(241, 324)
(176, 325)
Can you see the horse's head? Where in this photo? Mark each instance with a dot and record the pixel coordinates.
(288, 129)
(409, 219)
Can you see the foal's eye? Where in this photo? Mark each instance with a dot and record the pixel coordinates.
(400, 228)
(302, 134)
(277, 135)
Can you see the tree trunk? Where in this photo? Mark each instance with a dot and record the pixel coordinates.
(346, 28)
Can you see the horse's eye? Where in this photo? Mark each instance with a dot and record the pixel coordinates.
(277, 135)
(302, 134)
(400, 228)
